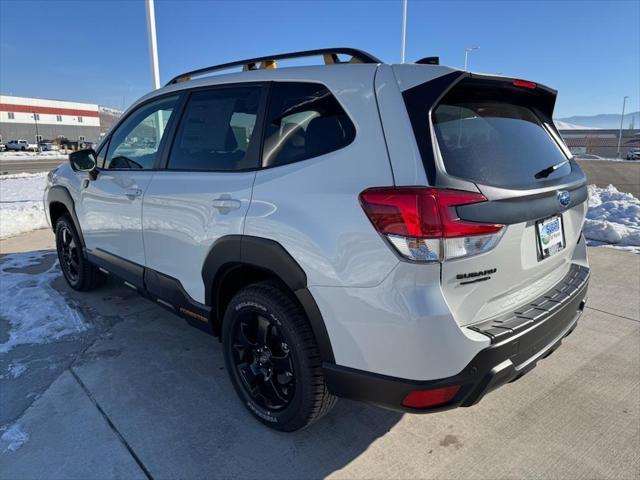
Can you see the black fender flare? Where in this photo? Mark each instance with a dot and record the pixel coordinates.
(272, 257)
(60, 194)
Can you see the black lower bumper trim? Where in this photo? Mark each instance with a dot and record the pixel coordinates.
(502, 362)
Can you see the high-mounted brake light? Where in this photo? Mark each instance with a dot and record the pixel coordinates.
(524, 84)
(423, 225)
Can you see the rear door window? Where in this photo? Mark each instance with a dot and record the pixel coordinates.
(304, 120)
(216, 130)
(493, 141)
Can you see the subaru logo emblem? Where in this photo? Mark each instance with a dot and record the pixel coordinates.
(563, 197)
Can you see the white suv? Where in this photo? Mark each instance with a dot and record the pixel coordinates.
(406, 235)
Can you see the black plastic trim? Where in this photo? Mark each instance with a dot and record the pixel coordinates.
(60, 194)
(419, 100)
(125, 269)
(522, 209)
(167, 291)
(500, 363)
(268, 255)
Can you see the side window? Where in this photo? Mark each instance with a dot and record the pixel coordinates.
(135, 143)
(304, 120)
(216, 130)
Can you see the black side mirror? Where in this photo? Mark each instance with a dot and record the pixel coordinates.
(84, 161)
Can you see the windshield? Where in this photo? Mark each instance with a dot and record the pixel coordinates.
(496, 143)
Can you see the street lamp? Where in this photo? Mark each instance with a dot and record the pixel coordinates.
(153, 43)
(466, 56)
(624, 101)
(404, 30)
(35, 119)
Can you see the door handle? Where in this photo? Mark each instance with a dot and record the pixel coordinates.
(226, 204)
(132, 193)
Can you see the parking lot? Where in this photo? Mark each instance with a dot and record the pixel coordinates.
(140, 394)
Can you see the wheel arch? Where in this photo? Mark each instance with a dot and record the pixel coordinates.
(235, 261)
(59, 202)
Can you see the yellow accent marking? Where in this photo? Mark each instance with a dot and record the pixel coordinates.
(193, 314)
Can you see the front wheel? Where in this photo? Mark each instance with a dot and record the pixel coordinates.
(272, 358)
(78, 272)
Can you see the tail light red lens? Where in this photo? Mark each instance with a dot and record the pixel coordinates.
(422, 212)
(435, 397)
(422, 223)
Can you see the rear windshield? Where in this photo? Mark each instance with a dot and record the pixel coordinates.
(494, 142)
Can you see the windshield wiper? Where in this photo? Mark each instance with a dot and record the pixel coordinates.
(545, 172)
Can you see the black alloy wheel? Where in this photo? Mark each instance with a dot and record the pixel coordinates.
(272, 357)
(262, 360)
(69, 255)
(79, 273)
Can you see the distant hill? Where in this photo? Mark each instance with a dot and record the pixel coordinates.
(108, 117)
(560, 125)
(603, 120)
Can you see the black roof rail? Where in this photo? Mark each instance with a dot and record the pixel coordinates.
(330, 57)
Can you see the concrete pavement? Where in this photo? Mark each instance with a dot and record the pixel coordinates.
(141, 394)
(625, 176)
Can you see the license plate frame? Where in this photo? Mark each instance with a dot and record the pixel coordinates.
(550, 236)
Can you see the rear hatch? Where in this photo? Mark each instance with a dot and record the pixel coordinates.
(495, 136)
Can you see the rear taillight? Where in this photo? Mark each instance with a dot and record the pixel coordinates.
(422, 223)
(435, 397)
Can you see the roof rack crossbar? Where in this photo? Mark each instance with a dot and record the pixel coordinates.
(330, 56)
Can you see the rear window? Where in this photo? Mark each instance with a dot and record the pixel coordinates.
(495, 142)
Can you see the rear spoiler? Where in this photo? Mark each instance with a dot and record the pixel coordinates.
(535, 95)
(429, 93)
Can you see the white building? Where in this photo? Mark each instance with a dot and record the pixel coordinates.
(37, 119)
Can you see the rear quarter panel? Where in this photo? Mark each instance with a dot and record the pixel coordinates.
(311, 207)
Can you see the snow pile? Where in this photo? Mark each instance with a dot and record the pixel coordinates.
(35, 311)
(47, 155)
(613, 218)
(21, 203)
(14, 437)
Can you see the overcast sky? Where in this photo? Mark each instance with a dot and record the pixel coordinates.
(96, 51)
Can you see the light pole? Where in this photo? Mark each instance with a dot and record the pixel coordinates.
(466, 56)
(624, 101)
(153, 43)
(404, 30)
(35, 119)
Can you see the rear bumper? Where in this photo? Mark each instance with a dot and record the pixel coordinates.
(518, 340)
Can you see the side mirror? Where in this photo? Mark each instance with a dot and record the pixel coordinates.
(84, 161)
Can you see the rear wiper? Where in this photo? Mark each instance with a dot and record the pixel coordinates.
(545, 172)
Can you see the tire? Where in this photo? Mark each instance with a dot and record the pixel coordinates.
(23, 149)
(283, 384)
(76, 269)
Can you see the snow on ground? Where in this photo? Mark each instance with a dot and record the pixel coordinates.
(13, 437)
(613, 219)
(48, 155)
(21, 203)
(36, 313)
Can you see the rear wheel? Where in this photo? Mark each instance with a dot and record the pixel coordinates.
(272, 358)
(78, 272)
